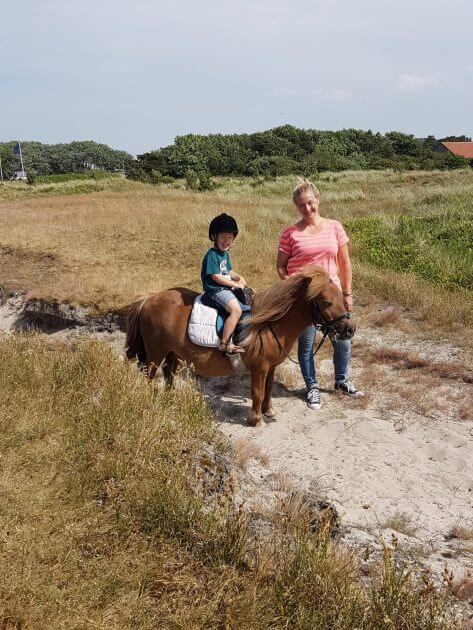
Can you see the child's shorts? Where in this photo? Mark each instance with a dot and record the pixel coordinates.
(223, 297)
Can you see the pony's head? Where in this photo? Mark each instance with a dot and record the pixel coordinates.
(328, 310)
(318, 293)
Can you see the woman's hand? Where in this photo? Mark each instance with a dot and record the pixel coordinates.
(348, 302)
(281, 265)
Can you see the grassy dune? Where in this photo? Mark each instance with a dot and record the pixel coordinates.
(126, 238)
(115, 497)
(116, 513)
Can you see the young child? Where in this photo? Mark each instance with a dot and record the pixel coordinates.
(219, 279)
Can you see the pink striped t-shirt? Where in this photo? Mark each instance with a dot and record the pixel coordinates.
(314, 249)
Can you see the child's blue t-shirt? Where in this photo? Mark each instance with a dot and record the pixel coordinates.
(214, 262)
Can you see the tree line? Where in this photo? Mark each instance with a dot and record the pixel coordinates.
(281, 151)
(286, 150)
(54, 159)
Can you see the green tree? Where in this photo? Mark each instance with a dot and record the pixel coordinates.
(46, 159)
(404, 144)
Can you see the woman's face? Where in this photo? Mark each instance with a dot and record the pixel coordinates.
(307, 204)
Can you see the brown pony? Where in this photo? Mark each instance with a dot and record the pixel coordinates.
(157, 332)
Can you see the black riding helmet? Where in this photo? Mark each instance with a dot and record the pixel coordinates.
(222, 223)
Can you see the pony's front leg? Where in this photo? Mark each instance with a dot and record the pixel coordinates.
(267, 408)
(258, 381)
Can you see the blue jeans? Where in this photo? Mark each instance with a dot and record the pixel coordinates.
(305, 349)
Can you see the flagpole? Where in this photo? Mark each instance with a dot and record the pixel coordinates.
(21, 160)
(1, 171)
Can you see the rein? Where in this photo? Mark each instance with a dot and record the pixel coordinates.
(319, 321)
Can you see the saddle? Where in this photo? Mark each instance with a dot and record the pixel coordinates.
(206, 322)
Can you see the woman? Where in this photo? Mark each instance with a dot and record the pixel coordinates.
(318, 241)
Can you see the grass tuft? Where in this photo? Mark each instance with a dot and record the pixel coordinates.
(400, 522)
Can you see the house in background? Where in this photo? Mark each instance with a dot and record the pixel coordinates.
(460, 149)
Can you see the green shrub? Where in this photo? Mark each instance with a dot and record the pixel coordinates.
(67, 177)
(199, 180)
(436, 247)
(157, 178)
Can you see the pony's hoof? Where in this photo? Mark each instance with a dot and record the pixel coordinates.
(270, 413)
(256, 422)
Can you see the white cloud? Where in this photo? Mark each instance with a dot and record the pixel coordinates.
(414, 82)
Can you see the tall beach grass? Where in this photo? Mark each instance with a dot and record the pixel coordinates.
(409, 237)
(117, 512)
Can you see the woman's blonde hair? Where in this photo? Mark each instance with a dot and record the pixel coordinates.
(304, 185)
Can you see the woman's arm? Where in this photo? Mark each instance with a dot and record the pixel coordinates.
(281, 265)
(344, 265)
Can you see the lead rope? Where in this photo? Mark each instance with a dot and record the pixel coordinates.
(286, 354)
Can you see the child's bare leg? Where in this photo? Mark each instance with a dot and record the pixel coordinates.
(234, 313)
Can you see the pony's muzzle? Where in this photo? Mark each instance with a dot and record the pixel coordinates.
(346, 329)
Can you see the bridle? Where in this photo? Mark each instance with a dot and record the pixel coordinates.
(321, 323)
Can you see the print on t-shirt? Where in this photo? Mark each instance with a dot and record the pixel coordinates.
(223, 268)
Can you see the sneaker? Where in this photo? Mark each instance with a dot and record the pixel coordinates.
(349, 389)
(313, 398)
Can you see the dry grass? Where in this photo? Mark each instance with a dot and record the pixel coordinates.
(463, 587)
(116, 514)
(387, 317)
(401, 522)
(104, 248)
(410, 361)
(462, 530)
(288, 377)
(413, 383)
(245, 451)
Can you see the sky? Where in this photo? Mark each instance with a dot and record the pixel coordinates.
(134, 75)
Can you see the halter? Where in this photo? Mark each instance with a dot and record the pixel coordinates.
(320, 322)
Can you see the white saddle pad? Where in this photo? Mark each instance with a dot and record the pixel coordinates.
(202, 327)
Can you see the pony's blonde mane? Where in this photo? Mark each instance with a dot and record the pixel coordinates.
(271, 304)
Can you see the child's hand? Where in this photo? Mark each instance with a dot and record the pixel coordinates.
(242, 282)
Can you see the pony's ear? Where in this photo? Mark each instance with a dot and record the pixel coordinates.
(315, 280)
(305, 282)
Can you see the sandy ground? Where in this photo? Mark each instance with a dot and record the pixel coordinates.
(398, 462)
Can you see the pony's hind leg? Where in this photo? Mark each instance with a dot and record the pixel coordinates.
(169, 367)
(152, 365)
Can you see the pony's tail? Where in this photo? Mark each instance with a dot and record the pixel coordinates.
(134, 346)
